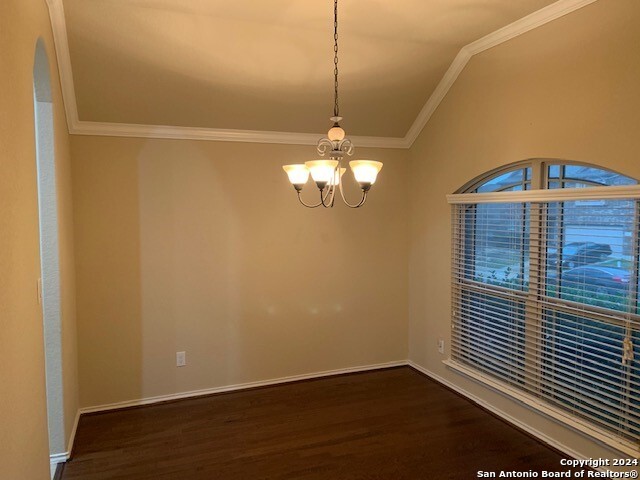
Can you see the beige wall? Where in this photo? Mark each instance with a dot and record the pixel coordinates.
(23, 425)
(202, 247)
(567, 90)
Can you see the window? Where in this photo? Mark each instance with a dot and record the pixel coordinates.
(518, 179)
(545, 293)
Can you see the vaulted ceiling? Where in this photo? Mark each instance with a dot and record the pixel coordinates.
(267, 65)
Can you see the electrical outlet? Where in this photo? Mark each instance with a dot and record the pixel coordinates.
(441, 346)
(181, 359)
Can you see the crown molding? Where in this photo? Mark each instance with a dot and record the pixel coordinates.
(61, 42)
(437, 96)
(219, 134)
(525, 24)
(80, 127)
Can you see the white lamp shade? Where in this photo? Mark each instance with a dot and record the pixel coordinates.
(298, 174)
(336, 180)
(322, 171)
(365, 171)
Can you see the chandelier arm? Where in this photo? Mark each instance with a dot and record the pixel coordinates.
(357, 205)
(306, 204)
(323, 199)
(321, 202)
(344, 199)
(331, 191)
(326, 195)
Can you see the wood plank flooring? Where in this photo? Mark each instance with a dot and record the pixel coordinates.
(388, 424)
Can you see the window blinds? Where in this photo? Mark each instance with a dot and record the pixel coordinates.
(545, 299)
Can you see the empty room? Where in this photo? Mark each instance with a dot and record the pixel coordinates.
(319, 239)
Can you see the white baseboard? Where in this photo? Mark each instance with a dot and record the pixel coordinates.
(239, 386)
(57, 458)
(72, 437)
(543, 437)
(62, 457)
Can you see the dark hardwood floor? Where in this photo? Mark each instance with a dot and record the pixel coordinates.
(388, 424)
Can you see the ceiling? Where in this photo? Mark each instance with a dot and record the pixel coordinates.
(268, 65)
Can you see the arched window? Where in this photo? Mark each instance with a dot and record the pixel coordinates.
(553, 174)
(545, 292)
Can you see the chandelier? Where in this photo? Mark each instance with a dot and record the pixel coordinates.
(327, 173)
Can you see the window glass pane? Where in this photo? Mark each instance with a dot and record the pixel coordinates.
(492, 330)
(554, 171)
(580, 176)
(582, 367)
(515, 188)
(596, 175)
(527, 184)
(576, 184)
(497, 244)
(590, 252)
(503, 182)
(495, 256)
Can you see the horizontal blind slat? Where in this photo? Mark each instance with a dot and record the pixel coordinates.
(594, 375)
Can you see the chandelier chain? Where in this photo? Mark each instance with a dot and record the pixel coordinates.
(336, 108)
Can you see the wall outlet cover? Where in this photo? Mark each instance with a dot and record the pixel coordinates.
(181, 359)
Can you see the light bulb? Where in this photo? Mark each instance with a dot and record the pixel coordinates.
(365, 171)
(336, 133)
(298, 175)
(322, 171)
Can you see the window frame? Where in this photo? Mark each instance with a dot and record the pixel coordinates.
(539, 197)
